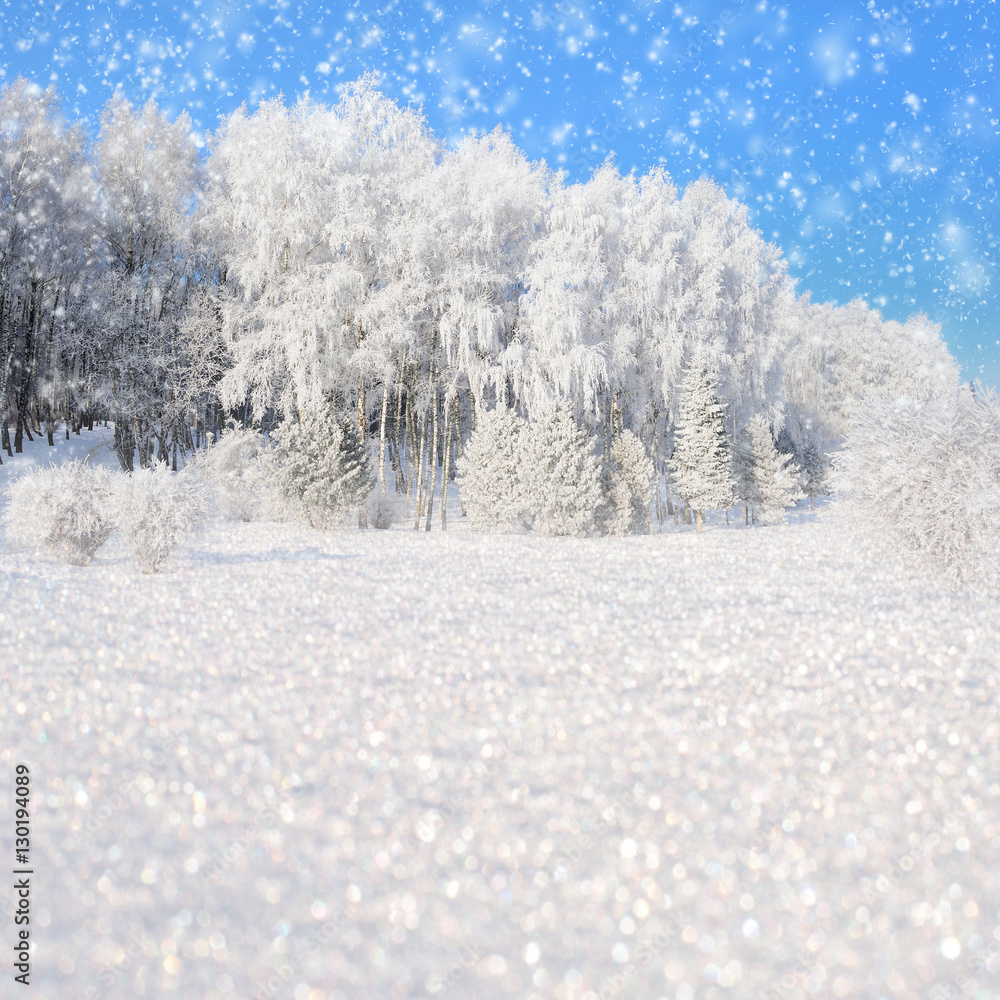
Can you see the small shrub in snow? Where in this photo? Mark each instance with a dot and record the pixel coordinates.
(628, 484)
(65, 509)
(233, 468)
(383, 508)
(926, 475)
(493, 491)
(154, 509)
(561, 475)
(323, 471)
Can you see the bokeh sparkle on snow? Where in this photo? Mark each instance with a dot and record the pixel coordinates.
(396, 764)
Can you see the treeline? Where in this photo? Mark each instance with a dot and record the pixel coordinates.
(345, 256)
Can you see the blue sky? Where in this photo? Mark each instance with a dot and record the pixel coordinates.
(864, 136)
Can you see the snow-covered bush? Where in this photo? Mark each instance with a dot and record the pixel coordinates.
(560, 474)
(65, 509)
(926, 475)
(322, 470)
(384, 508)
(154, 509)
(493, 491)
(234, 469)
(628, 484)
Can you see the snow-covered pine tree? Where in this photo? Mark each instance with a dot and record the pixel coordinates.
(493, 492)
(323, 468)
(743, 477)
(785, 443)
(815, 468)
(628, 483)
(774, 476)
(702, 465)
(561, 474)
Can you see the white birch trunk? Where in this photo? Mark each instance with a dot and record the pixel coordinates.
(420, 473)
(434, 444)
(381, 435)
(444, 467)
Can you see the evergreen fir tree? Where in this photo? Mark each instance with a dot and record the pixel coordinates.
(743, 477)
(814, 471)
(493, 492)
(628, 483)
(773, 477)
(561, 475)
(702, 464)
(786, 445)
(324, 470)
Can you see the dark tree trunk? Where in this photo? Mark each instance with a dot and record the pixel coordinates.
(124, 444)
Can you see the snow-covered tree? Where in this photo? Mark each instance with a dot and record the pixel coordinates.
(148, 173)
(769, 478)
(815, 469)
(561, 474)
(491, 479)
(65, 509)
(744, 484)
(308, 203)
(343, 253)
(628, 483)
(846, 356)
(925, 476)
(322, 468)
(701, 465)
(45, 197)
(732, 302)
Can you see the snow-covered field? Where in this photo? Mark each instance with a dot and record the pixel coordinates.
(363, 765)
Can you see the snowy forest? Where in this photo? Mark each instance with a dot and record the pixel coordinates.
(341, 264)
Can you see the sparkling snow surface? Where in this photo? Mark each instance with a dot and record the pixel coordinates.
(363, 765)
